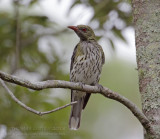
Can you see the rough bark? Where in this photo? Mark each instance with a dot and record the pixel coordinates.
(147, 31)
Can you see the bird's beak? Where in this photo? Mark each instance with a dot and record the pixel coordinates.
(73, 28)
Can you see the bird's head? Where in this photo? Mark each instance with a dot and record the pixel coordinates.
(84, 32)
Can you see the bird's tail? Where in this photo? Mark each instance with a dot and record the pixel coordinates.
(75, 117)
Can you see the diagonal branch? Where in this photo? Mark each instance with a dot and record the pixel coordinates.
(29, 108)
(77, 86)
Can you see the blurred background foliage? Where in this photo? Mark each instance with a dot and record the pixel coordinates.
(35, 47)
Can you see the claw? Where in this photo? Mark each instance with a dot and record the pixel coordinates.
(81, 84)
(100, 87)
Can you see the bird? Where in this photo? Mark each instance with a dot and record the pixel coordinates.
(86, 66)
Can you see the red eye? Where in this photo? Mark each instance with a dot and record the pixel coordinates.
(84, 29)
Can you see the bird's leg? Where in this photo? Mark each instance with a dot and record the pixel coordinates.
(100, 87)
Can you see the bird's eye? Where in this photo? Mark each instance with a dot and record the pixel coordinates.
(84, 29)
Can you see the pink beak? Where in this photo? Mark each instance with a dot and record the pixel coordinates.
(73, 28)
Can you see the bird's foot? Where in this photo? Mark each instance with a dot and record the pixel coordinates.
(81, 84)
(100, 87)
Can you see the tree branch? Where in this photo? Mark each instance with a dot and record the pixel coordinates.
(77, 86)
(29, 108)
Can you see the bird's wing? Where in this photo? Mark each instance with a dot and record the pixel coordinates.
(76, 52)
(86, 99)
(103, 57)
(73, 57)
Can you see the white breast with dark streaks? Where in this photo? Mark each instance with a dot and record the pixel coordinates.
(87, 67)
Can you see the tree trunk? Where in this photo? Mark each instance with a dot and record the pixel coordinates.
(147, 31)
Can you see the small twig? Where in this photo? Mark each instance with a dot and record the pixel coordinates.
(16, 60)
(17, 33)
(85, 88)
(29, 108)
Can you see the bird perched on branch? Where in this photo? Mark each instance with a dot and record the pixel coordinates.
(86, 66)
